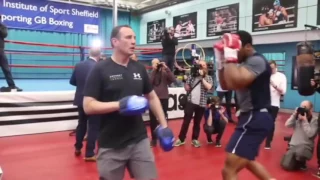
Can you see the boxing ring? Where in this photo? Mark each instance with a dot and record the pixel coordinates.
(46, 104)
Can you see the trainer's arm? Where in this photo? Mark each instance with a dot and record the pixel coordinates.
(154, 101)
(310, 128)
(92, 92)
(73, 80)
(239, 77)
(291, 122)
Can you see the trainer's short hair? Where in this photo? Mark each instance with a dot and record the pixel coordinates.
(116, 30)
(245, 37)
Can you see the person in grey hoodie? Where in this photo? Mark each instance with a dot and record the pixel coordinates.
(305, 127)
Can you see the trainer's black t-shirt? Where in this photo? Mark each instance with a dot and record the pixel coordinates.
(109, 81)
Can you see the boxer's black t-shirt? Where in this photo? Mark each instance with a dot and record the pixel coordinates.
(109, 81)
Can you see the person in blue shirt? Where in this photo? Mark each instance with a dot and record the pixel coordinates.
(216, 119)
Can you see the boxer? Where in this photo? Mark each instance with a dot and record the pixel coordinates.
(113, 90)
(247, 72)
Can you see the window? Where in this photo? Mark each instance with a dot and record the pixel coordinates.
(280, 59)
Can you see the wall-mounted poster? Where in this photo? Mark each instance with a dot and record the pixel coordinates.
(274, 14)
(222, 20)
(155, 30)
(185, 26)
(318, 13)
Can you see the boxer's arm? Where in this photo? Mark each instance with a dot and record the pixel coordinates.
(92, 92)
(239, 77)
(285, 14)
(154, 101)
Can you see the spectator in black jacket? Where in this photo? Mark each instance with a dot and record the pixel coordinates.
(4, 61)
(169, 43)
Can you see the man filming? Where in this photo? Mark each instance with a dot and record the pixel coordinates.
(305, 127)
(197, 86)
(161, 78)
(169, 43)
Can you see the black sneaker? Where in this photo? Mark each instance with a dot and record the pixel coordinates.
(77, 152)
(267, 146)
(218, 144)
(303, 167)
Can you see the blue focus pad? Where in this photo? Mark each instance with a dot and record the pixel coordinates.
(166, 138)
(133, 105)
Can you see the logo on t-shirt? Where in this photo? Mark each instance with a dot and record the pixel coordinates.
(115, 77)
(137, 76)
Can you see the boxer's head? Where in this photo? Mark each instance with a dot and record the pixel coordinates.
(123, 40)
(247, 49)
(273, 66)
(276, 4)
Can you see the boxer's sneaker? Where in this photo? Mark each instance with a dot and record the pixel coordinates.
(196, 143)
(153, 143)
(179, 143)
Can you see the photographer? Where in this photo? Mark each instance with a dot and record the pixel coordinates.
(161, 77)
(197, 86)
(169, 43)
(216, 120)
(302, 142)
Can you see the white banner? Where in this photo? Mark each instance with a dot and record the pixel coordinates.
(41, 112)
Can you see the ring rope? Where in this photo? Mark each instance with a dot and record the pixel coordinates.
(68, 46)
(176, 63)
(49, 66)
(185, 47)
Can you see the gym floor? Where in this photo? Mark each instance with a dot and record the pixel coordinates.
(50, 157)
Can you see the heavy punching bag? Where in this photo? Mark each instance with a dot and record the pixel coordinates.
(305, 68)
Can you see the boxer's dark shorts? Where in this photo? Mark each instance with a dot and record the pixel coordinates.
(253, 127)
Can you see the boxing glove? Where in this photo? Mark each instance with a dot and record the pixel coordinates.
(218, 52)
(133, 105)
(232, 45)
(166, 138)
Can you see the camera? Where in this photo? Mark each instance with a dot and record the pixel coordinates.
(194, 70)
(214, 103)
(159, 66)
(302, 111)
